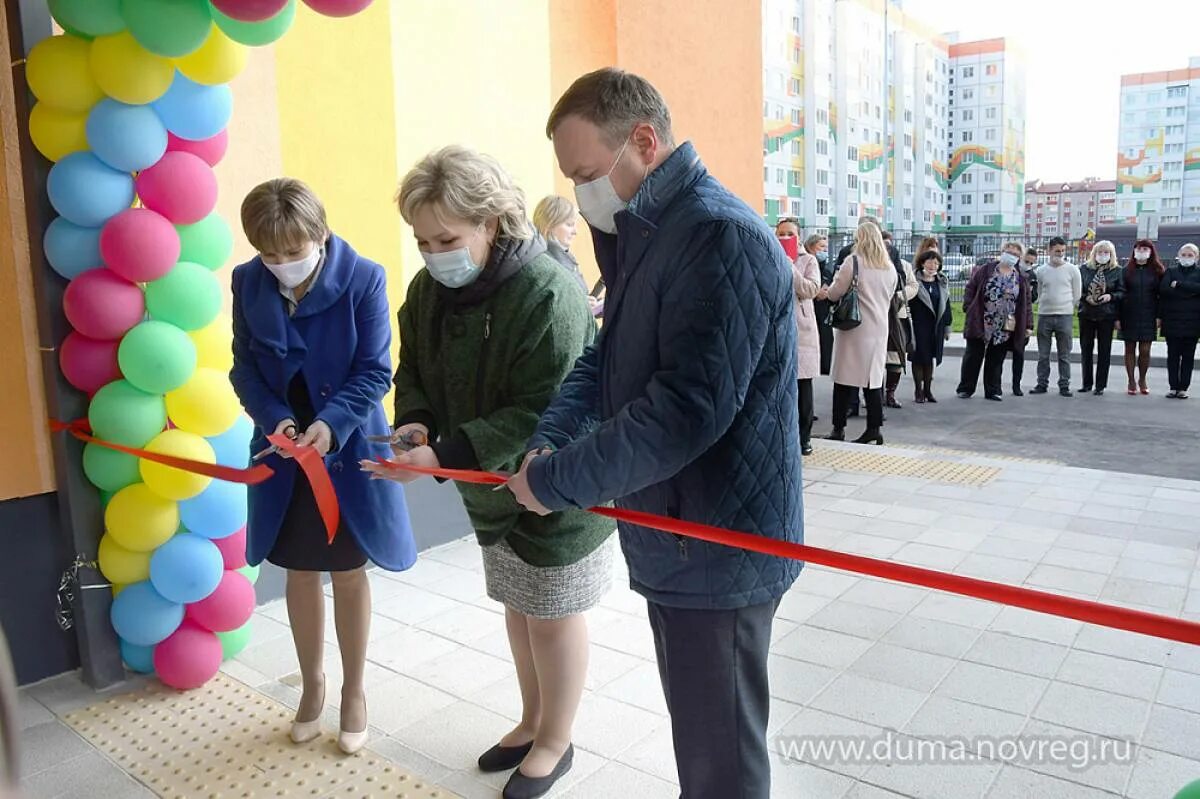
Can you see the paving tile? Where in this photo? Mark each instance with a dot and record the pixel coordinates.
(1153, 572)
(89, 775)
(860, 620)
(461, 672)
(456, 735)
(1126, 590)
(796, 681)
(31, 712)
(885, 595)
(952, 538)
(463, 553)
(640, 687)
(1169, 521)
(868, 700)
(1177, 495)
(930, 557)
(1020, 783)
(864, 790)
(1157, 553)
(405, 650)
(823, 582)
(402, 701)
(413, 605)
(48, 745)
(823, 647)
(1184, 657)
(957, 610)
(1032, 551)
(956, 522)
(1060, 579)
(872, 546)
(1182, 690)
(839, 521)
(1122, 644)
(1087, 709)
(934, 781)
(1018, 654)
(408, 758)
(655, 754)
(998, 569)
(606, 665)
(1038, 626)
(1079, 559)
(1107, 673)
(992, 687)
(797, 606)
(1192, 603)
(801, 779)
(909, 668)
(856, 507)
(1097, 762)
(463, 624)
(1052, 505)
(1158, 774)
(941, 716)
(929, 635)
(603, 725)
(1115, 500)
(812, 737)
(903, 524)
(617, 779)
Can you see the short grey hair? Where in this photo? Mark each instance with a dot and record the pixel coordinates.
(813, 241)
(468, 185)
(615, 101)
(551, 212)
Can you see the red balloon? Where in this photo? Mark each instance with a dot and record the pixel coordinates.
(181, 187)
(233, 549)
(337, 8)
(228, 607)
(139, 245)
(88, 364)
(249, 10)
(189, 657)
(210, 150)
(101, 304)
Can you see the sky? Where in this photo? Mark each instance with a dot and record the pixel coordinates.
(1076, 52)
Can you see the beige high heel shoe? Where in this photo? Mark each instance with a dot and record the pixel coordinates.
(353, 742)
(306, 731)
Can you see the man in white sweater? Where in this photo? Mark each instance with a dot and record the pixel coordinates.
(1060, 287)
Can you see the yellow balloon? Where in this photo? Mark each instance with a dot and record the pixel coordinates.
(121, 566)
(214, 345)
(140, 520)
(219, 60)
(118, 588)
(128, 72)
(57, 133)
(169, 482)
(59, 76)
(205, 404)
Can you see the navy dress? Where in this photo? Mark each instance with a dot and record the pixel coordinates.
(1139, 309)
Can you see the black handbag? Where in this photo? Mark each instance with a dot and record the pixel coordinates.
(845, 314)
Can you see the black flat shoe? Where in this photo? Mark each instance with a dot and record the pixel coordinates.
(806, 450)
(994, 397)
(503, 758)
(521, 787)
(838, 434)
(1098, 392)
(963, 395)
(1039, 390)
(1017, 392)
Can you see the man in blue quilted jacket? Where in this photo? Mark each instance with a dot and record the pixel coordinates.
(685, 407)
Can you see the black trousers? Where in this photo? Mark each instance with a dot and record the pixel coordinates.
(713, 667)
(806, 410)
(845, 396)
(1018, 366)
(991, 358)
(1181, 360)
(825, 333)
(1097, 335)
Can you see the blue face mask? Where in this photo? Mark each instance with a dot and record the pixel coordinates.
(822, 257)
(454, 268)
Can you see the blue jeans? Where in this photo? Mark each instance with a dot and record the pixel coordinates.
(1058, 328)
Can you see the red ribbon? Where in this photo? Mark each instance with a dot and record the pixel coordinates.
(313, 466)
(1137, 621)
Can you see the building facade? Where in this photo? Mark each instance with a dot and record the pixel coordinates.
(858, 120)
(1072, 210)
(1158, 162)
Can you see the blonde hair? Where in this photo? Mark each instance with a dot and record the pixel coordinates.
(551, 212)
(468, 185)
(1014, 245)
(868, 246)
(1193, 246)
(1103, 244)
(281, 214)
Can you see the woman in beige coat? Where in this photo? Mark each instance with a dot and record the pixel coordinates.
(860, 354)
(806, 284)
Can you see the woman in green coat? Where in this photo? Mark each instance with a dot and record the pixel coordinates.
(489, 330)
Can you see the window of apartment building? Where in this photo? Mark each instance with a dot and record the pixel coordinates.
(1172, 185)
(1170, 202)
(991, 69)
(866, 108)
(795, 147)
(878, 137)
(989, 177)
(1128, 117)
(928, 193)
(1173, 148)
(779, 176)
(967, 199)
(907, 214)
(967, 115)
(968, 94)
(928, 100)
(908, 189)
(1173, 166)
(878, 113)
(822, 116)
(822, 147)
(852, 181)
(991, 91)
(1177, 91)
(822, 207)
(928, 216)
(908, 116)
(797, 208)
(795, 24)
(852, 153)
(908, 140)
(964, 220)
(908, 165)
(852, 211)
(795, 86)
(778, 112)
(991, 112)
(967, 136)
(1174, 130)
(929, 77)
(968, 72)
(794, 177)
(1177, 111)
(822, 177)
(1153, 98)
(795, 116)
(928, 170)
(989, 134)
(766, 174)
(796, 55)
(989, 198)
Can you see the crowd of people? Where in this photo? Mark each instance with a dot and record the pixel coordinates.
(904, 315)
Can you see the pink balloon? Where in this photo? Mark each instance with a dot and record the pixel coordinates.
(228, 607)
(233, 549)
(101, 304)
(337, 8)
(139, 245)
(189, 657)
(249, 10)
(88, 364)
(211, 151)
(181, 187)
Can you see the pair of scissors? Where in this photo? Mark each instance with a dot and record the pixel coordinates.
(290, 431)
(409, 441)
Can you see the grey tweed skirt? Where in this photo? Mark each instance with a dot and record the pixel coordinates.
(548, 592)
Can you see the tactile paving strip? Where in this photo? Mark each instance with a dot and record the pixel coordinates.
(865, 460)
(226, 740)
(991, 456)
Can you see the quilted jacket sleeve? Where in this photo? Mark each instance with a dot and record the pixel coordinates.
(576, 407)
(712, 329)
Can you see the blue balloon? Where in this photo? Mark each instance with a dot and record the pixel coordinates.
(88, 192)
(217, 511)
(71, 249)
(141, 615)
(138, 658)
(128, 138)
(187, 568)
(233, 446)
(193, 111)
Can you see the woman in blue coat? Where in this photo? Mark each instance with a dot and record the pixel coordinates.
(311, 339)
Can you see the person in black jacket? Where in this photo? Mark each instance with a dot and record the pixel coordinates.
(1099, 308)
(1179, 310)
(1139, 311)
(1028, 266)
(931, 319)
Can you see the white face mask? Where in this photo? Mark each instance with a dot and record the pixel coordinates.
(1141, 256)
(1057, 259)
(1008, 259)
(294, 273)
(453, 268)
(1187, 260)
(1103, 258)
(598, 200)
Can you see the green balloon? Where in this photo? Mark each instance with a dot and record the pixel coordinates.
(105, 496)
(108, 469)
(169, 28)
(157, 357)
(256, 34)
(188, 297)
(1189, 791)
(125, 415)
(88, 18)
(250, 573)
(209, 242)
(234, 641)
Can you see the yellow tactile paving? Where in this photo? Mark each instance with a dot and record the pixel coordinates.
(227, 740)
(962, 453)
(867, 460)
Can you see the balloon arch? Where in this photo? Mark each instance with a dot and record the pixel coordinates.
(132, 107)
